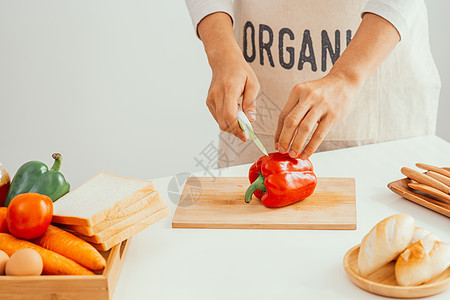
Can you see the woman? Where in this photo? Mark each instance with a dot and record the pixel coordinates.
(303, 92)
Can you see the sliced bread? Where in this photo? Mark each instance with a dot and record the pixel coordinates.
(101, 197)
(127, 216)
(131, 230)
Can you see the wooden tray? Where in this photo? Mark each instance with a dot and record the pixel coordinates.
(383, 282)
(98, 287)
(401, 188)
(219, 203)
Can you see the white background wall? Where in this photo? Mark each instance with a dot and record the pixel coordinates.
(439, 24)
(120, 86)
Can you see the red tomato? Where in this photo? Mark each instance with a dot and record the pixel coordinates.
(29, 215)
(3, 224)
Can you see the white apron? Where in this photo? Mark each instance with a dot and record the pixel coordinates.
(288, 42)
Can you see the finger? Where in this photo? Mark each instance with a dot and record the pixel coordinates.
(229, 113)
(290, 104)
(317, 138)
(218, 103)
(249, 99)
(211, 107)
(305, 128)
(290, 125)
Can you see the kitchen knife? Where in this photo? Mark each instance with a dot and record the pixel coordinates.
(245, 125)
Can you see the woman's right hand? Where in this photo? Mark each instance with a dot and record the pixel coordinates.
(232, 77)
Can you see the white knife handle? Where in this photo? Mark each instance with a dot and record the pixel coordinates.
(244, 123)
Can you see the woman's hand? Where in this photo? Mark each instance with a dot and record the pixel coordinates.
(327, 100)
(232, 77)
(323, 102)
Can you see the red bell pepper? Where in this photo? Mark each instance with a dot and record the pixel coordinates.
(279, 180)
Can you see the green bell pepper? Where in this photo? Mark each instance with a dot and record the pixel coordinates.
(35, 177)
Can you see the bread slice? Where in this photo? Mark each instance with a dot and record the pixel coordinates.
(422, 261)
(132, 230)
(109, 232)
(125, 217)
(385, 242)
(101, 197)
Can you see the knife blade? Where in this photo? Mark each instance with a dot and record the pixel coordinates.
(246, 126)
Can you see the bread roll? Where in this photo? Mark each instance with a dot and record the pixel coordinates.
(384, 242)
(422, 261)
(419, 234)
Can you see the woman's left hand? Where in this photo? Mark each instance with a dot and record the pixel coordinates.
(327, 100)
(324, 102)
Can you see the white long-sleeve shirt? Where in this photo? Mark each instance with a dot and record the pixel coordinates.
(398, 12)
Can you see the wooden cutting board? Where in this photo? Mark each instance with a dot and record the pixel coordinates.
(219, 203)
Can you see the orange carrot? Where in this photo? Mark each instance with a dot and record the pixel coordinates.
(54, 263)
(3, 224)
(70, 246)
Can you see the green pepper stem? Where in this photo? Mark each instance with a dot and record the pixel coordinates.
(57, 164)
(258, 184)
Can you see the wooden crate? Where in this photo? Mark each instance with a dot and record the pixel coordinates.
(56, 287)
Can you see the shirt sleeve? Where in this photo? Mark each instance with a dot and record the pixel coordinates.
(198, 9)
(400, 13)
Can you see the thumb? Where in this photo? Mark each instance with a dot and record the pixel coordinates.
(249, 100)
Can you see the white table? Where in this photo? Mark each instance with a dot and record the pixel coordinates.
(166, 263)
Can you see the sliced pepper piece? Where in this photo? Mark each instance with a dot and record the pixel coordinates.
(279, 180)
